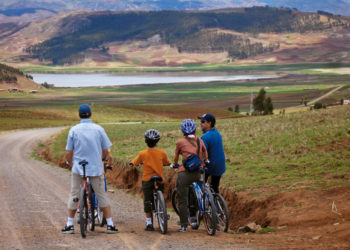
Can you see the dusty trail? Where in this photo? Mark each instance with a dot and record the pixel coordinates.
(33, 197)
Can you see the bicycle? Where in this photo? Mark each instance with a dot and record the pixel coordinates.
(86, 203)
(99, 217)
(223, 218)
(159, 208)
(201, 204)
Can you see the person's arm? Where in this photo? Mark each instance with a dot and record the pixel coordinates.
(69, 157)
(176, 156)
(137, 161)
(166, 161)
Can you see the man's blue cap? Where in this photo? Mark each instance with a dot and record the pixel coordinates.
(84, 109)
(208, 117)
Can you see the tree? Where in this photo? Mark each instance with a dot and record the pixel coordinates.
(237, 108)
(258, 101)
(261, 104)
(318, 105)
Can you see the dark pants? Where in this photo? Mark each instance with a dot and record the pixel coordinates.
(214, 183)
(147, 188)
(183, 181)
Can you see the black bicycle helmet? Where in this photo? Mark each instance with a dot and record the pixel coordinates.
(152, 136)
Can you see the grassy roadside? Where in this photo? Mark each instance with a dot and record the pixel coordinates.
(265, 155)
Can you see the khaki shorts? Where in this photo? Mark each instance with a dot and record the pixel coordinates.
(98, 184)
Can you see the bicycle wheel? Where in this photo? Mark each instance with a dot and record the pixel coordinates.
(162, 214)
(222, 213)
(92, 208)
(209, 215)
(174, 201)
(84, 213)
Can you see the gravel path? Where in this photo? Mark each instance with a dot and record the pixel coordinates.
(33, 197)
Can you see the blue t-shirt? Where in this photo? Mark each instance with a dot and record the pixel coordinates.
(87, 140)
(213, 142)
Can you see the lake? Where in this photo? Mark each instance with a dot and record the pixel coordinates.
(95, 80)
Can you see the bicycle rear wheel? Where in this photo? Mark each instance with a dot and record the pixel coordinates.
(92, 208)
(162, 214)
(209, 216)
(174, 201)
(222, 212)
(84, 213)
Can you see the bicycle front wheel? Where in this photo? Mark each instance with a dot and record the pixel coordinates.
(174, 201)
(222, 213)
(92, 208)
(209, 216)
(162, 214)
(84, 213)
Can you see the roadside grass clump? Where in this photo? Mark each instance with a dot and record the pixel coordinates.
(264, 155)
(267, 230)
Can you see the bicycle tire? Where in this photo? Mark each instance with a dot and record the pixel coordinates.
(84, 213)
(174, 201)
(162, 213)
(209, 215)
(92, 208)
(223, 218)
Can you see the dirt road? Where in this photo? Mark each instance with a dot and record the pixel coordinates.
(33, 198)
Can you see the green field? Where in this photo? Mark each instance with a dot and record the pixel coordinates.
(286, 91)
(264, 154)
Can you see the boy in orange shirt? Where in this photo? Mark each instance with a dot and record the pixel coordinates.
(153, 161)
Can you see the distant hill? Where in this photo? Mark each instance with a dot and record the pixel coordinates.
(14, 78)
(188, 31)
(23, 6)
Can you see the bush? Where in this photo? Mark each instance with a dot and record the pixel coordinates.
(318, 105)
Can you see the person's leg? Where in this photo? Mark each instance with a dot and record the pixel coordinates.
(182, 196)
(184, 180)
(147, 189)
(215, 182)
(72, 202)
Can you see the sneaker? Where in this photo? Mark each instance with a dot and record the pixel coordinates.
(149, 227)
(111, 230)
(68, 229)
(193, 222)
(183, 229)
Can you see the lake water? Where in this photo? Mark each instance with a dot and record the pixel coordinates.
(89, 80)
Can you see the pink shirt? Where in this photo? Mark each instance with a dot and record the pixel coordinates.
(188, 146)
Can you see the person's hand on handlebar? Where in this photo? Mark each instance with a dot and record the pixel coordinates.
(174, 166)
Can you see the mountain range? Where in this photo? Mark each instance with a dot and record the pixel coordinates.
(50, 7)
(175, 38)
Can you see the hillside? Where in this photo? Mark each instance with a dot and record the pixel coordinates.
(189, 31)
(14, 78)
(34, 7)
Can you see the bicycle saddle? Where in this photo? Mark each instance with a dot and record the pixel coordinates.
(156, 178)
(83, 162)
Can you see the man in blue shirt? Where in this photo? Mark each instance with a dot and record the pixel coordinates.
(87, 141)
(213, 142)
